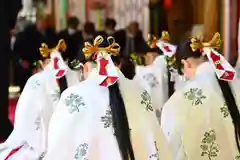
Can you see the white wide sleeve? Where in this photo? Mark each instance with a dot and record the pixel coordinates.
(27, 112)
(172, 126)
(69, 129)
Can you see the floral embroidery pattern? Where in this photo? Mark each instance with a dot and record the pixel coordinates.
(224, 110)
(81, 152)
(209, 146)
(107, 119)
(146, 100)
(195, 95)
(154, 156)
(74, 102)
(151, 79)
(55, 95)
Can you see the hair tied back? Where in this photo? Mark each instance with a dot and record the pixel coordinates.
(223, 69)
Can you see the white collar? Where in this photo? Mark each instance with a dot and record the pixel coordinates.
(204, 69)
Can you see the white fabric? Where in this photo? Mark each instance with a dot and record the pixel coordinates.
(81, 126)
(154, 79)
(33, 112)
(197, 111)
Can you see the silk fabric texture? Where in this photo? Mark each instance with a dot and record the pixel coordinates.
(196, 120)
(81, 126)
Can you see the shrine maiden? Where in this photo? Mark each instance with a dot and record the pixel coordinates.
(36, 104)
(105, 117)
(201, 121)
(157, 76)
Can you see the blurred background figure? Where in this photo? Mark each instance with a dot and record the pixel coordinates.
(130, 39)
(26, 48)
(8, 13)
(110, 25)
(73, 38)
(89, 31)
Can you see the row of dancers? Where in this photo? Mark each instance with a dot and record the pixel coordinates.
(182, 104)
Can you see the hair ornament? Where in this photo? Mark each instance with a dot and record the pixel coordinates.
(90, 49)
(59, 65)
(152, 41)
(106, 67)
(45, 51)
(223, 69)
(164, 45)
(136, 59)
(197, 44)
(76, 64)
(165, 36)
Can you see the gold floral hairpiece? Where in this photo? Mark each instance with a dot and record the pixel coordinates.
(152, 40)
(89, 49)
(45, 51)
(197, 44)
(136, 59)
(165, 36)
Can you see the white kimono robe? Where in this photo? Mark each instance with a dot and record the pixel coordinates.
(33, 112)
(196, 120)
(154, 79)
(81, 126)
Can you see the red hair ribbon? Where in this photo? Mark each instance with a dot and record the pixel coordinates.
(102, 56)
(103, 72)
(222, 68)
(228, 72)
(60, 72)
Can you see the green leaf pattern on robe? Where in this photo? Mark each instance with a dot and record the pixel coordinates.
(146, 100)
(224, 110)
(81, 152)
(195, 95)
(107, 119)
(74, 102)
(209, 146)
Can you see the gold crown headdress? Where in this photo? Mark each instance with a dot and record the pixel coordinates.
(45, 51)
(89, 49)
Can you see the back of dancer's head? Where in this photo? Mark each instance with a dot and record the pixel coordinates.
(184, 51)
(119, 115)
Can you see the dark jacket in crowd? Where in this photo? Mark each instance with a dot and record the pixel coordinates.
(28, 42)
(74, 44)
(122, 40)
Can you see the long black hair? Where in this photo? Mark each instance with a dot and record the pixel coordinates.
(62, 83)
(184, 51)
(119, 117)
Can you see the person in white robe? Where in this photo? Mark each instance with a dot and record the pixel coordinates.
(105, 117)
(157, 76)
(28, 141)
(201, 121)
